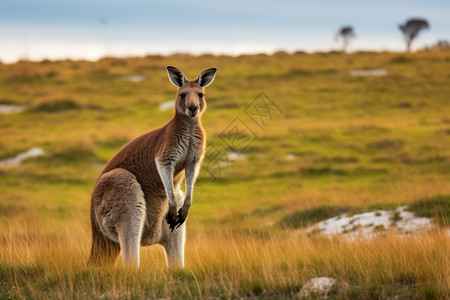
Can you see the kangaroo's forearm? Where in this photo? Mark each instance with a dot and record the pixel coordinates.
(191, 173)
(166, 173)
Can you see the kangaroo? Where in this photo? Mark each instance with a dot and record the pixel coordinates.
(137, 199)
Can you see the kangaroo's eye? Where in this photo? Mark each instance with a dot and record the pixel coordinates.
(201, 95)
(182, 95)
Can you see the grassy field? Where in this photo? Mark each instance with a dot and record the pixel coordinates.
(316, 142)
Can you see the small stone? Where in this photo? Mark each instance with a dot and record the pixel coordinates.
(11, 108)
(167, 105)
(16, 160)
(317, 287)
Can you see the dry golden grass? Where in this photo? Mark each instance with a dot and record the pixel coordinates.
(221, 262)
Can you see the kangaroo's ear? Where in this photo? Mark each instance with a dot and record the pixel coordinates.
(176, 76)
(206, 77)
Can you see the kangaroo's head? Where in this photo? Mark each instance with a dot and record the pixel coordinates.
(191, 94)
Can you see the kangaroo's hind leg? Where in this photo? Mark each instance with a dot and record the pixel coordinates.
(120, 211)
(173, 241)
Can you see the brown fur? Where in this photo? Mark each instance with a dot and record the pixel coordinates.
(130, 184)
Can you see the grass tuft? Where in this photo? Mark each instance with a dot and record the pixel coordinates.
(304, 217)
(437, 207)
(57, 105)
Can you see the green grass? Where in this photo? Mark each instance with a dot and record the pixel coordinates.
(300, 219)
(341, 144)
(55, 106)
(437, 207)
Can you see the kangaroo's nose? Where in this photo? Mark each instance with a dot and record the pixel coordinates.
(192, 108)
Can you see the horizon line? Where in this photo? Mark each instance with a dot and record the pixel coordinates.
(206, 53)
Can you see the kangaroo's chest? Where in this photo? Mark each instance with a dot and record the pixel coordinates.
(188, 149)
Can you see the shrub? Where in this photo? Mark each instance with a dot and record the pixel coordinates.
(57, 105)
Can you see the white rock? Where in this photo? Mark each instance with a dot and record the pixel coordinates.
(14, 161)
(290, 156)
(370, 224)
(320, 286)
(10, 108)
(235, 156)
(132, 78)
(410, 223)
(371, 72)
(167, 105)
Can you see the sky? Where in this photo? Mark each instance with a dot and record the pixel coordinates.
(91, 29)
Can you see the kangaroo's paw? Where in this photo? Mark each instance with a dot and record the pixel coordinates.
(182, 215)
(171, 217)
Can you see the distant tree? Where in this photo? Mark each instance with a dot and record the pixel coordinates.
(441, 45)
(345, 34)
(411, 30)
